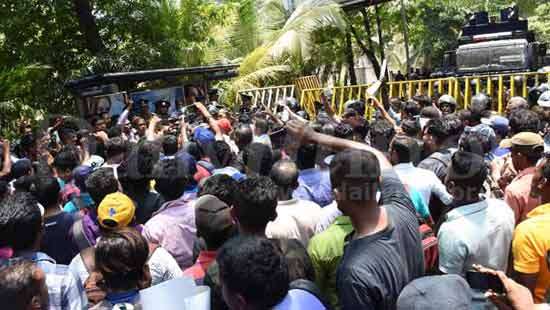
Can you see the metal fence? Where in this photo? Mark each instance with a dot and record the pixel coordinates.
(340, 95)
(267, 96)
(499, 86)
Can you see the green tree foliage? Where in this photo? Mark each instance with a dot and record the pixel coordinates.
(136, 34)
(540, 22)
(434, 27)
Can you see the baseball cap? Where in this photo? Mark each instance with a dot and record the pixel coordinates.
(187, 164)
(95, 162)
(483, 130)
(447, 99)
(116, 210)
(523, 139)
(213, 219)
(436, 292)
(203, 135)
(498, 123)
(80, 174)
(544, 99)
(225, 125)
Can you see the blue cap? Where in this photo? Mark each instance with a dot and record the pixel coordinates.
(80, 174)
(500, 124)
(203, 136)
(187, 162)
(436, 292)
(300, 299)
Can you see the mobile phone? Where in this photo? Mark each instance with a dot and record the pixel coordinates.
(484, 281)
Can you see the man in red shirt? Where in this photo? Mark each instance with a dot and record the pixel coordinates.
(526, 150)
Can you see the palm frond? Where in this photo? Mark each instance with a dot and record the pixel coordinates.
(295, 37)
(255, 60)
(263, 75)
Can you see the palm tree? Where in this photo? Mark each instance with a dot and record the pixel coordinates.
(285, 40)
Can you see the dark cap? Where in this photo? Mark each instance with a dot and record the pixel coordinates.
(162, 103)
(186, 163)
(349, 112)
(437, 293)
(21, 167)
(80, 175)
(213, 219)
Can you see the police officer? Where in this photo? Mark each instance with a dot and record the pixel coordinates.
(161, 109)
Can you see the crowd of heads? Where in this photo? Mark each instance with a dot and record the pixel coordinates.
(200, 181)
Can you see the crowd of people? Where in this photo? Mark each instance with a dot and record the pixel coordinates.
(280, 209)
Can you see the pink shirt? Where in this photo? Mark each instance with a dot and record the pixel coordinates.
(517, 194)
(173, 227)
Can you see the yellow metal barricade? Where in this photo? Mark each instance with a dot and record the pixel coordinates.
(308, 99)
(500, 87)
(340, 95)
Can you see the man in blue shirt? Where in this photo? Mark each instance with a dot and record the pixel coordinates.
(314, 183)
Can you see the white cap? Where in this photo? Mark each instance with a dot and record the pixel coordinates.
(544, 99)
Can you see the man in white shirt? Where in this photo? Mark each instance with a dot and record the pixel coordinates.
(403, 152)
(476, 231)
(296, 218)
(261, 129)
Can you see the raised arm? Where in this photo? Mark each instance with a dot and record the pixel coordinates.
(124, 115)
(330, 112)
(275, 118)
(150, 133)
(183, 131)
(294, 115)
(211, 121)
(380, 107)
(301, 132)
(6, 166)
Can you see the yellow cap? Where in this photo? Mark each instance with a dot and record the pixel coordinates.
(116, 210)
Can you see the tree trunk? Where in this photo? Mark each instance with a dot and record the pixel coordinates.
(368, 52)
(88, 26)
(350, 60)
(368, 29)
(379, 28)
(405, 35)
(383, 88)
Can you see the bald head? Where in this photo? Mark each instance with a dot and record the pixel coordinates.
(516, 103)
(285, 174)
